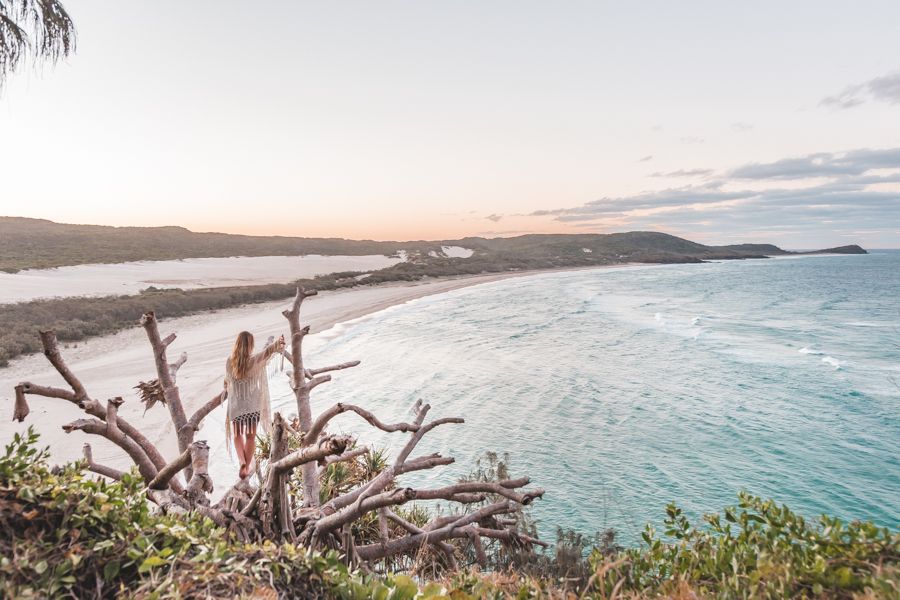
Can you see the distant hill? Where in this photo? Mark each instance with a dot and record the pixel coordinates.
(37, 243)
(851, 249)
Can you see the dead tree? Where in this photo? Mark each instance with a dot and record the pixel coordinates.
(287, 506)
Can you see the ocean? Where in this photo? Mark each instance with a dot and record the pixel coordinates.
(619, 390)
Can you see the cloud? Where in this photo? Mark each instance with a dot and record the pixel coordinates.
(883, 89)
(494, 217)
(726, 208)
(683, 173)
(822, 164)
(886, 89)
(740, 126)
(649, 157)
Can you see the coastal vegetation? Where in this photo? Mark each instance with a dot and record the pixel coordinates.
(64, 533)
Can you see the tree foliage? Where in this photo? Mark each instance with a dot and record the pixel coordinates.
(39, 31)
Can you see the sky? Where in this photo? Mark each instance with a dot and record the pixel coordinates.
(722, 122)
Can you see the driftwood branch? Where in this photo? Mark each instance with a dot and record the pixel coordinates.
(444, 547)
(166, 377)
(79, 397)
(200, 483)
(203, 411)
(319, 426)
(137, 454)
(165, 475)
(310, 373)
(409, 543)
(112, 415)
(98, 468)
(313, 454)
(21, 409)
(51, 351)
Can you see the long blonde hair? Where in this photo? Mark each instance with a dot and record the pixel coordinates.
(239, 362)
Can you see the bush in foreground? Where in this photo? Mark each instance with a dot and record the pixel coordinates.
(64, 534)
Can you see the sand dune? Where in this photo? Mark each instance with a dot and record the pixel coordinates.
(132, 277)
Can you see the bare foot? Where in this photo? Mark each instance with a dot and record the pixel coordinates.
(242, 473)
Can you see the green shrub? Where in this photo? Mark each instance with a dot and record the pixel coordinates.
(65, 534)
(759, 549)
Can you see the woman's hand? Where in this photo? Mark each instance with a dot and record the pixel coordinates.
(279, 345)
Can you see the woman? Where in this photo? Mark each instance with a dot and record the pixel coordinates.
(248, 396)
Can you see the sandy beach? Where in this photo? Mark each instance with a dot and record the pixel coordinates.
(112, 365)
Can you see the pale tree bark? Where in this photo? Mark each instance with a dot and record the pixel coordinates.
(301, 387)
(165, 374)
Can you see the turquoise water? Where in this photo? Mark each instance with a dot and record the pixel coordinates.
(619, 390)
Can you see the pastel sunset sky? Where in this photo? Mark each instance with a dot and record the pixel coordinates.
(722, 122)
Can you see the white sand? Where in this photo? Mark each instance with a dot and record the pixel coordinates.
(132, 277)
(110, 366)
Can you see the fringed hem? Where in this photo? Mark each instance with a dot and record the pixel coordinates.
(245, 424)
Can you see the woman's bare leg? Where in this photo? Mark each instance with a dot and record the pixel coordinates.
(249, 446)
(239, 448)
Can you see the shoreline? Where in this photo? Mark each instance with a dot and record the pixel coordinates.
(112, 365)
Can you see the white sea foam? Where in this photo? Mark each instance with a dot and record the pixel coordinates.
(832, 361)
(808, 350)
(695, 321)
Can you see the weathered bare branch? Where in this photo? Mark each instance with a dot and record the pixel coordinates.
(112, 415)
(317, 381)
(311, 487)
(351, 513)
(409, 543)
(350, 455)
(504, 489)
(200, 483)
(165, 475)
(95, 409)
(48, 392)
(404, 454)
(173, 368)
(51, 351)
(166, 379)
(446, 548)
(310, 373)
(475, 539)
(98, 468)
(312, 454)
(137, 454)
(79, 397)
(425, 462)
(508, 536)
(319, 425)
(21, 410)
(203, 411)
